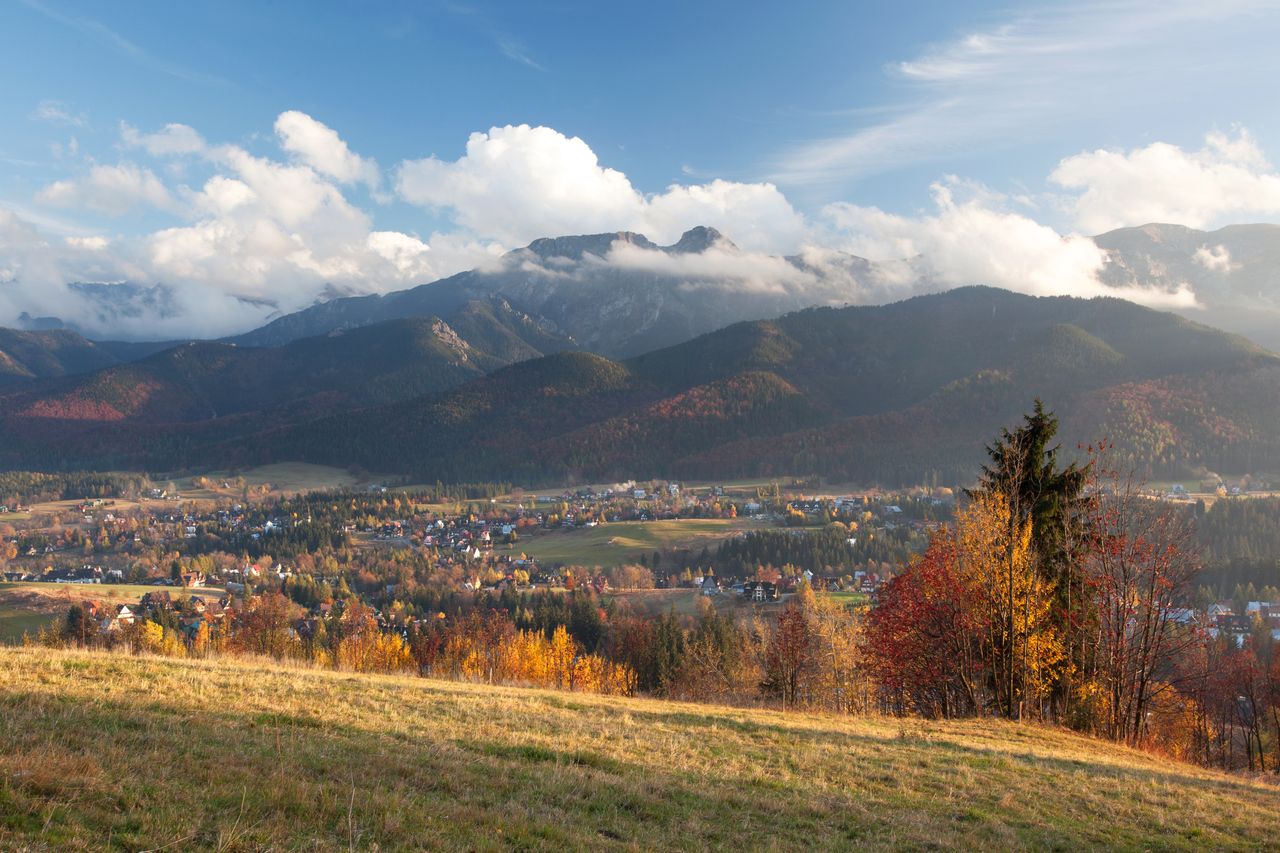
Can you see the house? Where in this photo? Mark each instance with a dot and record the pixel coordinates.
(88, 574)
(760, 591)
(1221, 611)
(123, 616)
(710, 586)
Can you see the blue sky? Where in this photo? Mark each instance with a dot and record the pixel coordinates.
(867, 127)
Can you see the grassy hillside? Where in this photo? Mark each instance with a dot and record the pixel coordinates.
(101, 751)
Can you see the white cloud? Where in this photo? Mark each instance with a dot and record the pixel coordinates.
(112, 190)
(719, 266)
(512, 48)
(1215, 259)
(170, 140)
(1044, 69)
(1163, 183)
(320, 147)
(259, 234)
(267, 230)
(95, 243)
(56, 112)
(975, 241)
(517, 183)
(757, 216)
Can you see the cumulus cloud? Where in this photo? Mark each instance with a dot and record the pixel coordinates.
(112, 190)
(517, 183)
(260, 234)
(258, 231)
(268, 230)
(1164, 183)
(972, 240)
(320, 147)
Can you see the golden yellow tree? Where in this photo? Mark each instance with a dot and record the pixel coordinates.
(838, 675)
(1020, 642)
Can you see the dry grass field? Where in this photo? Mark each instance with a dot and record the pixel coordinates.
(101, 751)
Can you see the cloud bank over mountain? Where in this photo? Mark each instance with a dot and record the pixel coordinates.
(234, 234)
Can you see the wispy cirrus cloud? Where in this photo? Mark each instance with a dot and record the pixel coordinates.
(117, 42)
(1043, 69)
(56, 112)
(513, 48)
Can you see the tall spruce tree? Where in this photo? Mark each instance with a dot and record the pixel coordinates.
(1024, 466)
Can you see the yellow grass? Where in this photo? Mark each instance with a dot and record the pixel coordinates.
(100, 751)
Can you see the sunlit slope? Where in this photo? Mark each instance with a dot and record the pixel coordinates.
(101, 751)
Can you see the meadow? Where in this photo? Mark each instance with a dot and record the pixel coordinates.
(106, 751)
(27, 607)
(282, 478)
(625, 541)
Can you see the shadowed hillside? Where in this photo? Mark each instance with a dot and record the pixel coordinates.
(901, 393)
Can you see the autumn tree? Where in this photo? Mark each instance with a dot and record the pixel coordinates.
(920, 638)
(1139, 566)
(788, 654)
(1020, 641)
(1049, 498)
(265, 627)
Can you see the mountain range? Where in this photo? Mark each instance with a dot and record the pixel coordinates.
(620, 294)
(1234, 272)
(616, 294)
(900, 393)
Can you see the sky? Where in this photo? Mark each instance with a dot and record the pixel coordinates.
(250, 158)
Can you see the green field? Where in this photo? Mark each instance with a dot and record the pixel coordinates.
(850, 598)
(624, 541)
(26, 607)
(656, 602)
(101, 751)
(14, 624)
(281, 477)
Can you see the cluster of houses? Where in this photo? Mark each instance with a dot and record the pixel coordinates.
(185, 613)
(1223, 619)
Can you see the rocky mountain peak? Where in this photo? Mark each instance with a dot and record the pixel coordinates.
(594, 244)
(699, 239)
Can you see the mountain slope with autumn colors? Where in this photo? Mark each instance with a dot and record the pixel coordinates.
(896, 394)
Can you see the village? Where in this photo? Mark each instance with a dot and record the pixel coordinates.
(387, 544)
(203, 558)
